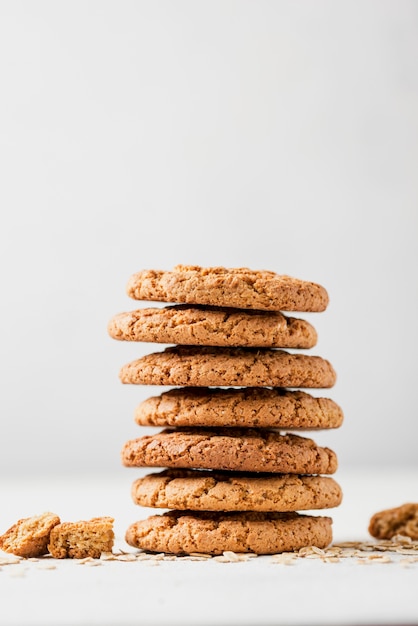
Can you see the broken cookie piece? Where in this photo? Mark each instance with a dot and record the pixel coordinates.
(29, 537)
(78, 540)
(402, 520)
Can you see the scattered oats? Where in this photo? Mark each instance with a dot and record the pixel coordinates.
(33, 559)
(405, 551)
(13, 560)
(107, 556)
(333, 550)
(377, 558)
(363, 561)
(126, 557)
(142, 556)
(158, 557)
(232, 556)
(174, 558)
(331, 559)
(401, 539)
(86, 559)
(151, 562)
(221, 559)
(310, 551)
(203, 555)
(94, 563)
(285, 559)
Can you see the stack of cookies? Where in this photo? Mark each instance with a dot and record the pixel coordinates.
(235, 473)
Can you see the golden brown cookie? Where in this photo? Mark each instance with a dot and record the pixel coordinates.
(241, 288)
(214, 533)
(249, 407)
(211, 367)
(211, 326)
(29, 537)
(402, 520)
(199, 490)
(79, 540)
(244, 450)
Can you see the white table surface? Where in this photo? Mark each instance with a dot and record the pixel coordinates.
(257, 592)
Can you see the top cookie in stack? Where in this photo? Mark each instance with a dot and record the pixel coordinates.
(229, 332)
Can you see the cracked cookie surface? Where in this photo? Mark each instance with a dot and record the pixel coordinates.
(241, 288)
(247, 407)
(247, 450)
(211, 367)
(29, 537)
(200, 490)
(212, 326)
(214, 533)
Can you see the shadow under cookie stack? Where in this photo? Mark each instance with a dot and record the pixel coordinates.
(236, 473)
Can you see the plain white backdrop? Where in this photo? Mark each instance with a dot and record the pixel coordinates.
(134, 135)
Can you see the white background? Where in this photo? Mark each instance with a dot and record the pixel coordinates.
(138, 135)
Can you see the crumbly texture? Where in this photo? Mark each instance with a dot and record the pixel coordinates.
(82, 539)
(212, 367)
(247, 407)
(402, 520)
(29, 537)
(199, 490)
(245, 450)
(214, 533)
(241, 288)
(211, 326)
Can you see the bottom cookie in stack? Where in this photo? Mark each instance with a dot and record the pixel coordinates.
(231, 489)
(213, 533)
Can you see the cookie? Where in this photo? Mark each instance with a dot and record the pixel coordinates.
(82, 539)
(29, 537)
(402, 520)
(210, 326)
(241, 288)
(247, 407)
(214, 533)
(212, 367)
(199, 490)
(244, 450)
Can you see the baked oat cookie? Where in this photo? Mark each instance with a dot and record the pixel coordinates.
(29, 537)
(241, 288)
(214, 533)
(82, 539)
(249, 407)
(210, 326)
(402, 520)
(244, 450)
(199, 490)
(211, 367)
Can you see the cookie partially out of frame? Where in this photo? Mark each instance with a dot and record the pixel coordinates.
(29, 537)
(214, 533)
(241, 288)
(248, 367)
(79, 540)
(200, 490)
(401, 520)
(244, 450)
(248, 407)
(211, 326)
